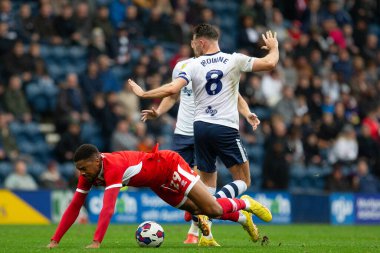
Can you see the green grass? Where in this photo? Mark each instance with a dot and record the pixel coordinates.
(120, 238)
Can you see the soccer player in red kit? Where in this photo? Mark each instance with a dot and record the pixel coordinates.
(166, 173)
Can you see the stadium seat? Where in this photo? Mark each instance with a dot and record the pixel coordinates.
(67, 170)
(5, 169)
(36, 169)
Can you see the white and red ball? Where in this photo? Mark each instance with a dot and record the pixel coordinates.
(149, 234)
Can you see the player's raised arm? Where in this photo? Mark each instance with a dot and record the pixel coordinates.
(244, 110)
(166, 90)
(109, 201)
(268, 62)
(164, 107)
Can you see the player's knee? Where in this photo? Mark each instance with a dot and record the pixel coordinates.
(213, 211)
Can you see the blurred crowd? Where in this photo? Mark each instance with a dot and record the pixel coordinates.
(64, 64)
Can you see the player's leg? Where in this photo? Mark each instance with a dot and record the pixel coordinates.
(184, 146)
(232, 209)
(233, 155)
(206, 159)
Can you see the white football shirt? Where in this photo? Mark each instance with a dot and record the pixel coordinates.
(185, 117)
(215, 81)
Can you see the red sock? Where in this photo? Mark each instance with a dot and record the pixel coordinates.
(231, 205)
(230, 216)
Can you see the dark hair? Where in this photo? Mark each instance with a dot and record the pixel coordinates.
(84, 152)
(206, 30)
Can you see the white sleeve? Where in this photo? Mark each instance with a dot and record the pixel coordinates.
(176, 71)
(185, 73)
(244, 62)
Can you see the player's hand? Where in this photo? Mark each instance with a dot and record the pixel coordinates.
(93, 245)
(270, 40)
(253, 120)
(135, 88)
(149, 114)
(52, 244)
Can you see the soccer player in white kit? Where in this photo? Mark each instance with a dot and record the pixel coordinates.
(215, 79)
(183, 139)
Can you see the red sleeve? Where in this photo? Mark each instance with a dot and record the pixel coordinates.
(109, 201)
(70, 215)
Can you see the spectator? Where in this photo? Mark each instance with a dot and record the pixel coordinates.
(20, 179)
(311, 149)
(6, 40)
(90, 82)
(64, 24)
(368, 147)
(372, 122)
(249, 35)
(122, 138)
(117, 9)
(70, 140)
(287, 105)
(121, 47)
(8, 145)
(102, 21)
(179, 30)
(25, 23)
(98, 45)
(6, 14)
(51, 178)
(364, 181)
(276, 161)
(70, 97)
(133, 24)
(336, 181)
(15, 100)
(18, 63)
(312, 16)
(108, 78)
(83, 24)
(345, 149)
(44, 26)
(129, 102)
(156, 27)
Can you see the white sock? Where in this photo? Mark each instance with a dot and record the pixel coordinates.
(193, 228)
(247, 204)
(242, 219)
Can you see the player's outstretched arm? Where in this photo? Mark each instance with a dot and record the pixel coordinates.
(268, 62)
(109, 201)
(68, 218)
(164, 107)
(166, 90)
(244, 110)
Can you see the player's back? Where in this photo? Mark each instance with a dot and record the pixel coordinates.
(185, 117)
(215, 81)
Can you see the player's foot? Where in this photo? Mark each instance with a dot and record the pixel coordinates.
(250, 227)
(191, 239)
(203, 225)
(204, 242)
(258, 209)
(187, 216)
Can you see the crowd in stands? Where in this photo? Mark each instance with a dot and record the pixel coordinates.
(64, 63)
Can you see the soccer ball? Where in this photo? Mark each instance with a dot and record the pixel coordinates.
(149, 234)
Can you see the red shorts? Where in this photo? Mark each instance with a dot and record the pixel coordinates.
(178, 182)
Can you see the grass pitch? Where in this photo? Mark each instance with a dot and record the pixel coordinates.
(120, 238)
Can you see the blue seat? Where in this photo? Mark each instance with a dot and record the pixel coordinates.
(5, 169)
(67, 170)
(36, 169)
